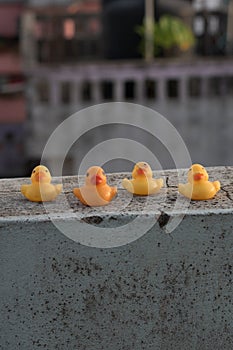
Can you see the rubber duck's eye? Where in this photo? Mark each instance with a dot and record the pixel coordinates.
(87, 174)
(46, 170)
(33, 171)
(144, 164)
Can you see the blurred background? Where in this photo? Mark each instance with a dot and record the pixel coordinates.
(60, 56)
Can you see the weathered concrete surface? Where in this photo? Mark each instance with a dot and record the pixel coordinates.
(163, 291)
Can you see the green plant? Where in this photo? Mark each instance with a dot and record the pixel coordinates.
(168, 33)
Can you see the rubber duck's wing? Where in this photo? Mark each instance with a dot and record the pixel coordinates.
(158, 183)
(161, 182)
(155, 185)
(186, 190)
(127, 184)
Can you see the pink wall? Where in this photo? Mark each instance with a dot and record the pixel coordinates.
(12, 107)
(10, 63)
(12, 110)
(9, 19)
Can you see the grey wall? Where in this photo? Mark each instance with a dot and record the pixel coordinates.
(162, 291)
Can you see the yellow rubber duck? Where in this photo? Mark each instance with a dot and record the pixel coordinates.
(41, 190)
(142, 183)
(96, 192)
(198, 186)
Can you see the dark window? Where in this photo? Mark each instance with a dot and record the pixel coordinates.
(129, 90)
(150, 89)
(172, 88)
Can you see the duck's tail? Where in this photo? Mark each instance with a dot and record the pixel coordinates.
(58, 188)
(24, 189)
(77, 193)
(217, 185)
(113, 192)
(160, 183)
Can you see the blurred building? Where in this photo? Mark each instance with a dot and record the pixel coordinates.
(67, 69)
(63, 32)
(210, 26)
(230, 27)
(12, 84)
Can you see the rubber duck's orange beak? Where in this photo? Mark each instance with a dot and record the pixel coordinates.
(96, 180)
(140, 171)
(40, 176)
(198, 176)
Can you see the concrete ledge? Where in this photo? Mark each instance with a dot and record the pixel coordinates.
(162, 291)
